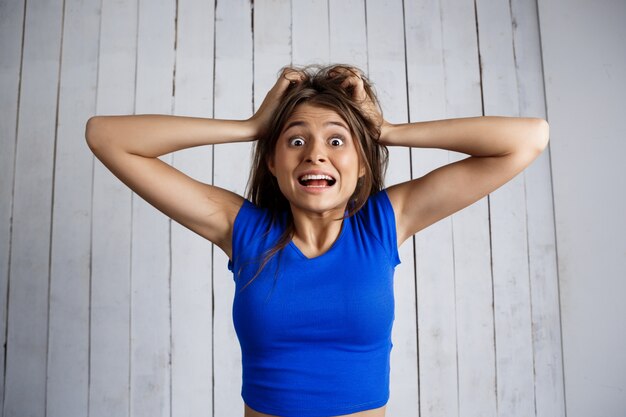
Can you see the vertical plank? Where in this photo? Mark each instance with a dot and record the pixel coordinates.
(471, 240)
(150, 262)
(272, 44)
(192, 370)
(514, 355)
(26, 357)
(309, 32)
(386, 59)
(233, 100)
(348, 36)
(11, 30)
(109, 384)
(68, 340)
(434, 257)
(546, 331)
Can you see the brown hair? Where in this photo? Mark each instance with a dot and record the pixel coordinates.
(322, 87)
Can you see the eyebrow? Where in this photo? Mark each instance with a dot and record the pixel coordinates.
(302, 123)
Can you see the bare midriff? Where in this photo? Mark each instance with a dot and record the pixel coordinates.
(375, 412)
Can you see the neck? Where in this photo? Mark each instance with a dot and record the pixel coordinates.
(315, 233)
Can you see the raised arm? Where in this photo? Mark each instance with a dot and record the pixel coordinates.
(129, 146)
(500, 148)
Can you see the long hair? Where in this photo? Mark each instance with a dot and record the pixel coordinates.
(321, 87)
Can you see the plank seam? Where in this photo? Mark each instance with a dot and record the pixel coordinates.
(169, 221)
(93, 165)
(411, 173)
(493, 300)
(367, 39)
(215, 14)
(54, 158)
(526, 222)
(556, 249)
(17, 119)
(132, 204)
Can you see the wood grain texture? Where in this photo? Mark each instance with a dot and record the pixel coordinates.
(546, 332)
(191, 301)
(233, 100)
(109, 387)
(11, 30)
(29, 269)
(386, 59)
(151, 251)
(115, 310)
(68, 328)
(434, 257)
(514, 349)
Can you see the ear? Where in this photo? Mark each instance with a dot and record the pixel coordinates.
(361, 169)
(271, 165)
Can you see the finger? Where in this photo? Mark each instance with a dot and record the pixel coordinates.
(292, 75)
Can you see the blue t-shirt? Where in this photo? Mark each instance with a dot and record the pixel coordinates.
(315, 334)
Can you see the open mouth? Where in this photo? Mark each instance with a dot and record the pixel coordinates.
(317, 180)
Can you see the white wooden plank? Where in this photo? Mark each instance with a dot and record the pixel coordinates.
(514, 355)
(272, 44)
(348, 36)
(474, 311)
(11, 28)
(68, 341)
(386, 58)
(309, 32)
(109, 384)
(192, 370)
(25, 389)
(150, 263)
(548, 362)
(433, 246)
(233, 100)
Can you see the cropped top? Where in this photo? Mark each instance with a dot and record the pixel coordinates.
(315, 333)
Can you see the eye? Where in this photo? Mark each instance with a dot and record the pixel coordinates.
(336, 141)
(297, 141)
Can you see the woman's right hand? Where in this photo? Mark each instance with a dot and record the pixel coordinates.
(263, 116)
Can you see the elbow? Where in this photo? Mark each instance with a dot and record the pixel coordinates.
(93, 131)
(541, 134)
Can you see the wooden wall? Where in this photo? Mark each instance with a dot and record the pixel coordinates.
(111, 309)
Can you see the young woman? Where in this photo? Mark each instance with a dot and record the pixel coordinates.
(314, 247)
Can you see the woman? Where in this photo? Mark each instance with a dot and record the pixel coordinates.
(314, 248)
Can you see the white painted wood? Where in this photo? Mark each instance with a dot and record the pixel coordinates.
(272, 44)
(309, 32)
(584, 64)
(68, 327)
(192, 368)
(109, 382)
(548, 365)
(457, 344)
(471, 245)
(386, 58)
(11, 28)
(514, 354)
(348, 36)
(150, 392)
(233, 100)
(434, 257)
(25, 384)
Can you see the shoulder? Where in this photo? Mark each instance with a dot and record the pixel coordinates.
(378, 218)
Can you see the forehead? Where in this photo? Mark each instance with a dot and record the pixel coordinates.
(309, 115)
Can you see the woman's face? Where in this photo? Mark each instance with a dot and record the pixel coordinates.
(315, 161)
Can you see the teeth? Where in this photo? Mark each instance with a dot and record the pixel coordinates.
(315, 177)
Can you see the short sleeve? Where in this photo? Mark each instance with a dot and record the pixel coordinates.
(379, 219)
(250, 225)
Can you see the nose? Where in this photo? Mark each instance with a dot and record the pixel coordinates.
(316, 152)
